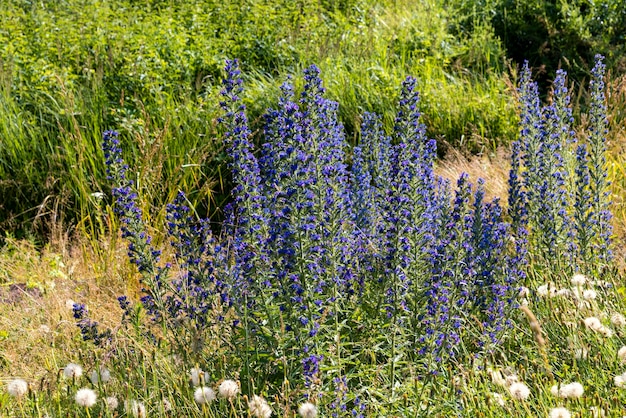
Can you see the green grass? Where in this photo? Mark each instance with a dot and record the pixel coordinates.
(152, 70)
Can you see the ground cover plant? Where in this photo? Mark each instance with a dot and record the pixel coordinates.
(354, 281)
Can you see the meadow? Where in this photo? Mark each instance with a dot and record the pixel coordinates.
(309, 209)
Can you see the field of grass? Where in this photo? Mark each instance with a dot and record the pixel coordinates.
(323, 260)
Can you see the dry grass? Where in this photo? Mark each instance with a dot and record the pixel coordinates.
(37, 328)
(493, 168)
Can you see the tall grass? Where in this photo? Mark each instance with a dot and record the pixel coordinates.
(150, 69)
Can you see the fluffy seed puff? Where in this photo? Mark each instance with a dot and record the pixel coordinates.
(259, 407)
(560, 413)
(307, 410)
(594, 324)
(72, 371)
(86, 398)
(204, 395)
(111, 403)
(618, 320)
(571, 390)
(579, 280)
(519, 391)
(17, 388)
(135, 409)
(620, 380)
(228, 389)
(197, 376)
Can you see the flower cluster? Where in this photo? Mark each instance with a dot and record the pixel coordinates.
(558, 192)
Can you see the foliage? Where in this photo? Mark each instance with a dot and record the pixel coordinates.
(70, 69)
(554, 34)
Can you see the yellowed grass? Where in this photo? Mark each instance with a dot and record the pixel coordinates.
(493, 168)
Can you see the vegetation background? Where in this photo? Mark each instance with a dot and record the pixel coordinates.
(152, 69)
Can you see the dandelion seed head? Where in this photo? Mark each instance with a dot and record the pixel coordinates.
(511, 379)
(111, 403)
(589, 294)
(546, 290)
(579, 279)
(17, 388)
(594, 324)
(621, 354)
(103, 377)
(564, 293)
(307, 410)
(228, 389)
(572, 390)
(72, 370)
(620, 380)
(167, 405)
(135, 409)
(618, 320)
(204, 395)
(519, 391)
(497, 399)
(197, 376)
(581, 353)
(85, 397)
(560, 412)
(259, 407)
(597, 412)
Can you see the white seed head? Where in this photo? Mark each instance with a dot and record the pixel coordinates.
(519, 391)
(104, 376)
(69, 304)
(618, 320)
(496, 399)
(111, 403)
(597, 412)
(579, 280)
(135, 409)
(167, 405)
(572, 390)
(546, 290)
(204, 395)
(620, 380)
(86, 398)
(17, 388)
(259, 407)
(228, 389)
(307, 410)
(565, 293)
(523, 292)
(510, 379)
(581, 353)
(496, 377)
(198, 377)
(589, 294)
(621, 354)
(560, 413)
(72, 370)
